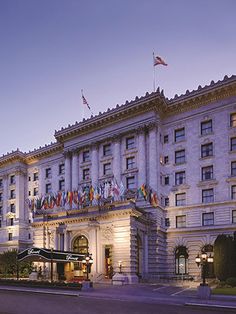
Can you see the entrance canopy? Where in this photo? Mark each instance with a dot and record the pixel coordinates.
(46, 255)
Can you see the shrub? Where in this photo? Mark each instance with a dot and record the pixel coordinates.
(231, 281)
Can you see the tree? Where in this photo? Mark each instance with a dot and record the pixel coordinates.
(8, 265)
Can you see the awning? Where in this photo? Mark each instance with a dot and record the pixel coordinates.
(46, 255)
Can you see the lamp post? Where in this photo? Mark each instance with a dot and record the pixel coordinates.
(87, 262)
(203, 260)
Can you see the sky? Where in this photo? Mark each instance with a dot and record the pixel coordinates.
(51, 49)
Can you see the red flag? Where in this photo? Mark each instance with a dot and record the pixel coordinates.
(158, 60)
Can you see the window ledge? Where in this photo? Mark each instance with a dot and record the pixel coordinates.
(183, 186)
(206, 157)
(231, 179)
(210, 182)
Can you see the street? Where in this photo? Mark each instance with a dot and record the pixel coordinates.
(14, 302)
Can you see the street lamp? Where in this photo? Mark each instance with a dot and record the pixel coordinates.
(87, 262)
(203, 260)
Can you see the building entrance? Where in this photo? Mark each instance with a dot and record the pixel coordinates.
(108, 261)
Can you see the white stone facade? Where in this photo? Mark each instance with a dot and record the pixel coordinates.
(184, 149)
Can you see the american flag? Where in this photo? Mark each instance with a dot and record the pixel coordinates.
(85, 102)
(158, 60)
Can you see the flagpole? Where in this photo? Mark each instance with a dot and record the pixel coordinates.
(83, 113)
(154, 76)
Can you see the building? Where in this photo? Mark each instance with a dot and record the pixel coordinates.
(145, 186)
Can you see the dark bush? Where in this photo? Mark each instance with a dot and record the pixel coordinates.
(231, 281)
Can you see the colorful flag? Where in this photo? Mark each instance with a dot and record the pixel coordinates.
(158, 60)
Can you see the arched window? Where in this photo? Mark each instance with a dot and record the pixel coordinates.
(80, 245)
(181, 260)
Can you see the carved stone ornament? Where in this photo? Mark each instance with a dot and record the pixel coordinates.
(107, 233)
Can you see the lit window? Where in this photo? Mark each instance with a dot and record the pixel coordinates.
(233, 120)
(207, 150)
(86, 156)
(130, 163)
(86, 174)
(130, 182)
(206, 127)
(179, 177)
(179, 135)
(207, 219)
(130, 142)
(207, 196)
(180, 156)
(233, 143)
(107, 169)
(233, 168)
(207, 173)
(181, 221)
(180, 199)
(107, 150)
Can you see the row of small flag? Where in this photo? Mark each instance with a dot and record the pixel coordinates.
(89, 195)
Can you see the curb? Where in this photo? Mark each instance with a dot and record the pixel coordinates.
(41, 292)
(216, 306)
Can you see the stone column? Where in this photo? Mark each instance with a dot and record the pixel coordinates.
(94, 167)
(67, 171)
(142, 173)
(145, 253)
(153, 156)
(117, 159)
(75, 170)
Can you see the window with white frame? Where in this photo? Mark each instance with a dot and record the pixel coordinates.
(62, 185)
(48, 188)
(86, 174)
(207, 173)
(61, 169)
(35, 176)
(36, 191)
(233, 144)
(207, 150)
(106, 149)
(207, 196)
(181, 221)
(180, 156)
(180, 199)
(12, 179)
(48, 173)
(130, 163)
(206, 127)
(130, 142)
(233, 192)
(233, 216)
(107, 169)
(179, 177)
(233, 168)
(233, 119)
(208, 219)
(130, 183)
(86, 156)
(179, 135)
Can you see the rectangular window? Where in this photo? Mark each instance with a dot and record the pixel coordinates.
(180, 199)
(207, 196)
(166, 139)
(233, 120)
(86, 174)
(0, 210)
(233, 143)
(61, 185)
(1, 183)
(233, 168)
(181, 221)
(48, 172)
(130, 163)
(12, 194)
(86, 156)
(107, 150)
(130, 182)
(12, 208)
(166, 159)
(206, 127)
(167, 222)
(48, 188)
(233, 216)
(29, 193)
(179, 135)
(180, 156)
(12, 179)
(207, 150)
(180, 178)
(207, 173)
(208, 219)
(36, 191)
(166, 181)
(36, 176)
(130, 142)
(29, 179)
(1, 199)
(10, 236)
(0, 223)
(107, 169)
(61, 169)
(11, 222)
(233, 192)
(167, 201)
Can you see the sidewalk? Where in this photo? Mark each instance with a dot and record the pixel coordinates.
(138, 293)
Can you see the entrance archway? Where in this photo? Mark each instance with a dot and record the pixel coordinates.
(80, 245)
(181, 260)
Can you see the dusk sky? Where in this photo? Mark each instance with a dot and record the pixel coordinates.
(51, 49)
